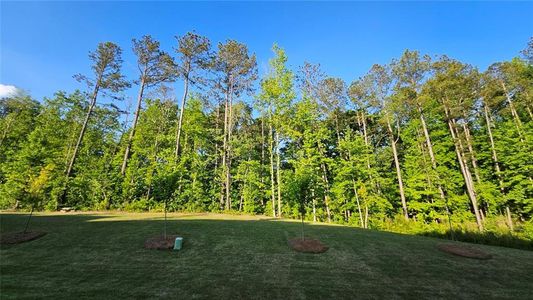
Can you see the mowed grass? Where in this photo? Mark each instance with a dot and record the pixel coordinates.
(101, 255)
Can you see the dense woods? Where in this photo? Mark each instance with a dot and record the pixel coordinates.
(424, 143)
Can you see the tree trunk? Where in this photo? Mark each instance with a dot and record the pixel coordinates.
(493, 148)
(228, 153)
(180, 120)
(272, 182)
(132, 132)
(82, 131)
(326, 191)
(509, 219)
(464, 170)
(224, 149)
(314, 204)
(358, 204)
(518, 123)
(398, 170)
(242, 198)
(337, 130)
(278, 173)
(471, 150)
(529, 112)
(262, 157)
(366, 216)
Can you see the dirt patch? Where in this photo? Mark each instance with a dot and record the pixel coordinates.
(464, 251)
(307, 245)
(160, 242)
(12, 238)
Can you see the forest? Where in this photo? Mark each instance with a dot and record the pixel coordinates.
(425, 143)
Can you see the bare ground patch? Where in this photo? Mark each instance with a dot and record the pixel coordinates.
(307, 245)
(160, 242)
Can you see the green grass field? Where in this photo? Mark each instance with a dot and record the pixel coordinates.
(242, 257)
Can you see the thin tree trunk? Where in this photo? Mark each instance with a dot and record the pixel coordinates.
(314, 204)
(337, 131)
(165, 223)
(493, 148)
(326, 191)
(224, 149)
(133, 126)
(82, 131)
(509, 219)
(358, 204)
(28, 220)
(303, 235)
(529, 112)
(398, 170)
(228, 153)
(180, 120)
(366, 216)
(278, 174)
(262, 157)
(471, 150)
(518, 122)
(242, 196)
(272, 182)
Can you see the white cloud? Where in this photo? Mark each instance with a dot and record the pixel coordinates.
(8, 91)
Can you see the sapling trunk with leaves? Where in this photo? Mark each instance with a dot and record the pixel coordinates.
(155, 67)
(36, 189)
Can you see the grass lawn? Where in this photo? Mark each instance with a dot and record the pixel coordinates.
(101, 255)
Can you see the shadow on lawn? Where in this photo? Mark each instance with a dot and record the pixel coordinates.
(485, 238)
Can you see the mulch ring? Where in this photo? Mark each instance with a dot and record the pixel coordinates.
(464, 251)
(160, 243)
(307, 245)
(12, 238)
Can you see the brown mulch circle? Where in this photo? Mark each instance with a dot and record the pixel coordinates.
(464, 251)
(307, 245)
(160, 243)
(12, 238)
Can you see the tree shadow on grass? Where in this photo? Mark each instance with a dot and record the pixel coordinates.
(485, 238)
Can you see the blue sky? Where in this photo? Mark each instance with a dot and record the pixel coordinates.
(44, 43)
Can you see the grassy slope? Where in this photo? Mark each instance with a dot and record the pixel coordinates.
(102, 256)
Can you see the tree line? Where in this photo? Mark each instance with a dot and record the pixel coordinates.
(426, 140)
